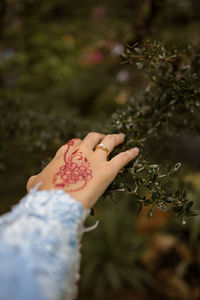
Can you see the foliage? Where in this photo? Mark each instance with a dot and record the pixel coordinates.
(170, 105)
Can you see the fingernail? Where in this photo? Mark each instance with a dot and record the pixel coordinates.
(136, 149)
(123, 134)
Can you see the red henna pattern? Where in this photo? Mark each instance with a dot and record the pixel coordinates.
(75, 171)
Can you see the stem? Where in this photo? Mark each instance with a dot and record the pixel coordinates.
(2, 16)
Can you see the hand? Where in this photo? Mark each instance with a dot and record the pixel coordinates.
(81, 171)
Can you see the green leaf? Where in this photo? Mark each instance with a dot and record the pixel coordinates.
(195, 212)
(169, 199)
(188, 206)
(177, 208)
(163, 207)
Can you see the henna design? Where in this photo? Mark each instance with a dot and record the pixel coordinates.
(75, 171)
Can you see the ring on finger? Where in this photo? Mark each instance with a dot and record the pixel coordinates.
(103, 147)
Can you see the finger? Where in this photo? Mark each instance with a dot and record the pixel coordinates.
(123, 158)
(110, 141)
(92, 139)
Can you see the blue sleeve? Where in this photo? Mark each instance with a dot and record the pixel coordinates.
(40, 247)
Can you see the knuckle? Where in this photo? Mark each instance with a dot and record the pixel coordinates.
(77, 140)
(116, 138)
(125, 156)
(92, 133)
(111, 137)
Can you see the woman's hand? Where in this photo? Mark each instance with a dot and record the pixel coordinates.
(81, 171)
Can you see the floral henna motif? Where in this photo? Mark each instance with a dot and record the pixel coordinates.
(76, 170)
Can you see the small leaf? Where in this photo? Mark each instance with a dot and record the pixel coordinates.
(188, 206)
(177, 166)
(195, 212)
(184, 194)
(177, 208)
(163, 207)
(169, 199)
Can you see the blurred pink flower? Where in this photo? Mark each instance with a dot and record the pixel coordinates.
(94, 57)
(98, 13)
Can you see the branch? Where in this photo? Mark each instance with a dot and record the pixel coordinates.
(2, 16)
(142, 28)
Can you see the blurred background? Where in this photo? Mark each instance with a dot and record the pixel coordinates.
(61, 76)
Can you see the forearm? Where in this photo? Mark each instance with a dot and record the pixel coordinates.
(43, 233)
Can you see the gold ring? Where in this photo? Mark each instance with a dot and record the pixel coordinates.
(103, 147)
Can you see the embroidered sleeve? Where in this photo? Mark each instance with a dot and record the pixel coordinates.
(40, 247)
